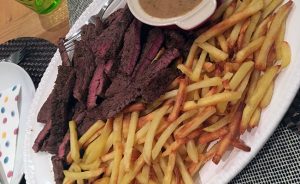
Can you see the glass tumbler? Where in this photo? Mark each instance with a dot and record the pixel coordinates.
(41, 6)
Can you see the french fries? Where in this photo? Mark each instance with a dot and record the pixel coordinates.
(227, 80)
(281, 15)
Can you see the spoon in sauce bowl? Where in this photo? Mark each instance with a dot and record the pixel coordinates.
(186, 14)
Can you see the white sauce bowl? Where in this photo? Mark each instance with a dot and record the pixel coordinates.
(187, 21)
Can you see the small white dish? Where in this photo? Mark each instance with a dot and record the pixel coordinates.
(11, 74)
(187, 21)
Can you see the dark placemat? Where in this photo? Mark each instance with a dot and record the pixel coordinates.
(36, 61)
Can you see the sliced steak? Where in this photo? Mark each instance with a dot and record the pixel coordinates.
(118, 83)
(115, 16)
(62, 148)
(132, 47)
(154, 42)
(174, 39)
(58, 168)
(158, 84)
(44, 133)
(109, 42)
(44, 114)
(62, 94)
(84, 66)
(111, 106)
(97, 85)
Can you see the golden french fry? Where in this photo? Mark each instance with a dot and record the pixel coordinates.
(130, 139)
(209, 67)
(207, 82)
(141, 133)
(255, 118)
(241, 145)
(219, 28)
(169, 169)
(108, 156)
(134, 107)
(129, 176)
(90, 140)
(240, 74)
(208, 137)
(92, 166)
(118, 148)
(253, 82)
(168, 132)
(233, 37)
(147, 151)
(90, 132)
(216, 53)
(254, 19)
(191, 56)
(270, 8)
(109, 143)
(249, 49)
(198, 68)
(223, 43)
(262, 27)
(261, 61)
(285, 54)
(180, 98)
(96, 148)
(218, 98)
(219, 124)
(242, 33)
(267, 2)
(192, 125)
(158, 172)
(192, 151)
(279, 40)
(125, 126)
(266, 100)
(75, 150)
(183, 171)
(230, 10)
(121, 171)
(184, 69)
(260, 90)
(83, 175)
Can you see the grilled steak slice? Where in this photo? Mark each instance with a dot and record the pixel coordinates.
(62, 148)
(153, 44)
(115, 16)
(118, 83)
(44, 115)
(44, 133)
(58, 167)
(97, 85)
(157, 86)
(84, 66)
(109, 42)
(174, 39)
(132, 47)
(62, 94)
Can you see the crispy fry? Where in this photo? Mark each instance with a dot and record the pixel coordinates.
(219, 97)
(233, 131)
(180, 98)
(158, 172)
(183, 171)
(262, 28)
(285, 54)
(192, 125)
(74, 142)
(92, 166)
(266, 100)
(83, 175)
(253, 82)
(207, 82)
(134, 107)
(169, 169)
(240, 74)
(208, 137)
(191, 56)
(192, 150)
(168, 132)
(151, 134)
(219, 28)
(279, 40)
(254, 19)
(222, 42)
(104, 180)
(241, 145)
(96, 148)
(255, 118)
(129, 176)
(184, 69)
(230, 10)
(261, 61)
(216, 53)
(244, 28)
(261, 88)
(198, 68)
(271, 7)
(233, 37)
(249, 49)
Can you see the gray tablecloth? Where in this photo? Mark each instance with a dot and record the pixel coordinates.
(278, 161)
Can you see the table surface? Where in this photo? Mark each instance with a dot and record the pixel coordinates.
(18, 21)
